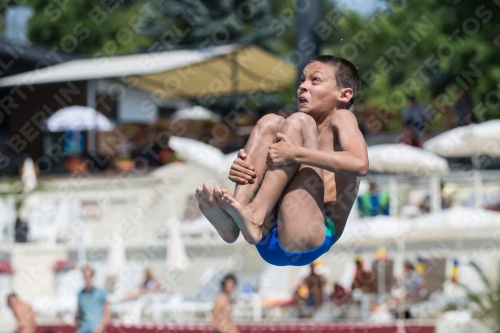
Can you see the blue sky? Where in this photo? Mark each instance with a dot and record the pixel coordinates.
(363, 7)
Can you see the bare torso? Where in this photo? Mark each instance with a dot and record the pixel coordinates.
(340, 189)
(222, 319)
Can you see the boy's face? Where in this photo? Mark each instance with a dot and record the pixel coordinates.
(318, 92)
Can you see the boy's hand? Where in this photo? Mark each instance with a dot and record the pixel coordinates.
(242, 172)
(282, 152)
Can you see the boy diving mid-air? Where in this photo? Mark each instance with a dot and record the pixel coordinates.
(297, 178)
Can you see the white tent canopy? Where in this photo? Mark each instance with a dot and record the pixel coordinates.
(400, 158)
(218, 70)
(196, 112)
(467, 141)
(77, 118)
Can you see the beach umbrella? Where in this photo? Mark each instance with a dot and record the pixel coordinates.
(196, 112)
(468, 141)
(400, 158)
(202, 154)
(28, 176)
(77, 118)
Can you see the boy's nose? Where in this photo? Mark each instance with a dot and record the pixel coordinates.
(302, 88)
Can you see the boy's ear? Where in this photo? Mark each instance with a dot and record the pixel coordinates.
(346, 94)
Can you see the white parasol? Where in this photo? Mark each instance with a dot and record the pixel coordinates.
(468, 141)
(400, 158)
(196, 112)
(77, 118)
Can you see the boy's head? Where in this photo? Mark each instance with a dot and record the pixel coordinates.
(326, 82)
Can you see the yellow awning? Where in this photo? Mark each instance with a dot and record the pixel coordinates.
(244, 70)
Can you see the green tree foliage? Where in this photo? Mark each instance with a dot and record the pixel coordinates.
(485, 306)
(88, 27)
(202, 23)
(430, 48)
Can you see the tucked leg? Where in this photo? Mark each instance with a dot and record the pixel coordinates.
(301, 129)
(262, 136)
(257, 147)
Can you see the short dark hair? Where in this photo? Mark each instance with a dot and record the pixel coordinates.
(409, 265)
(226, 278)
(12, 295)
(88, 267)
(346, 74)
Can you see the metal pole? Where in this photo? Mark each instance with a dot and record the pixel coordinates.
(393, 198)
(91, 102)
(82, 255)
(234, 74)
(478, 188)
(401, 259)
(435, 194)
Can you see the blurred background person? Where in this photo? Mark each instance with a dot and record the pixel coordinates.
(464, 109)
(25, 316)
(223, 307)
(151, 283)
(408, 137)
(363, 279)
(93, 312)
(373, 202)
(413, 114)
(425, 205)
(310, 291)
(414, 284)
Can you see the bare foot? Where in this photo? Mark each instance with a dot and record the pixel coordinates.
(243, 216)
(221, 221)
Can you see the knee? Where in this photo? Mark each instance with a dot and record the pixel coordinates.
(301, 119)
(271, 122)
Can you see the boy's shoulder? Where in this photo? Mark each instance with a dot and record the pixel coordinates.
(341, 117)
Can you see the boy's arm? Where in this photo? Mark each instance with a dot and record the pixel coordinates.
(351, 157)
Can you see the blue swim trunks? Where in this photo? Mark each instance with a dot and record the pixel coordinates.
(271, 251)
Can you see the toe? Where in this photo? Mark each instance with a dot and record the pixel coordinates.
(199, 190)
(206, 189)
(217, 191)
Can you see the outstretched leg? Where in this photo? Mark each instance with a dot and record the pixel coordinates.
(262, 136)
(307, 201)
